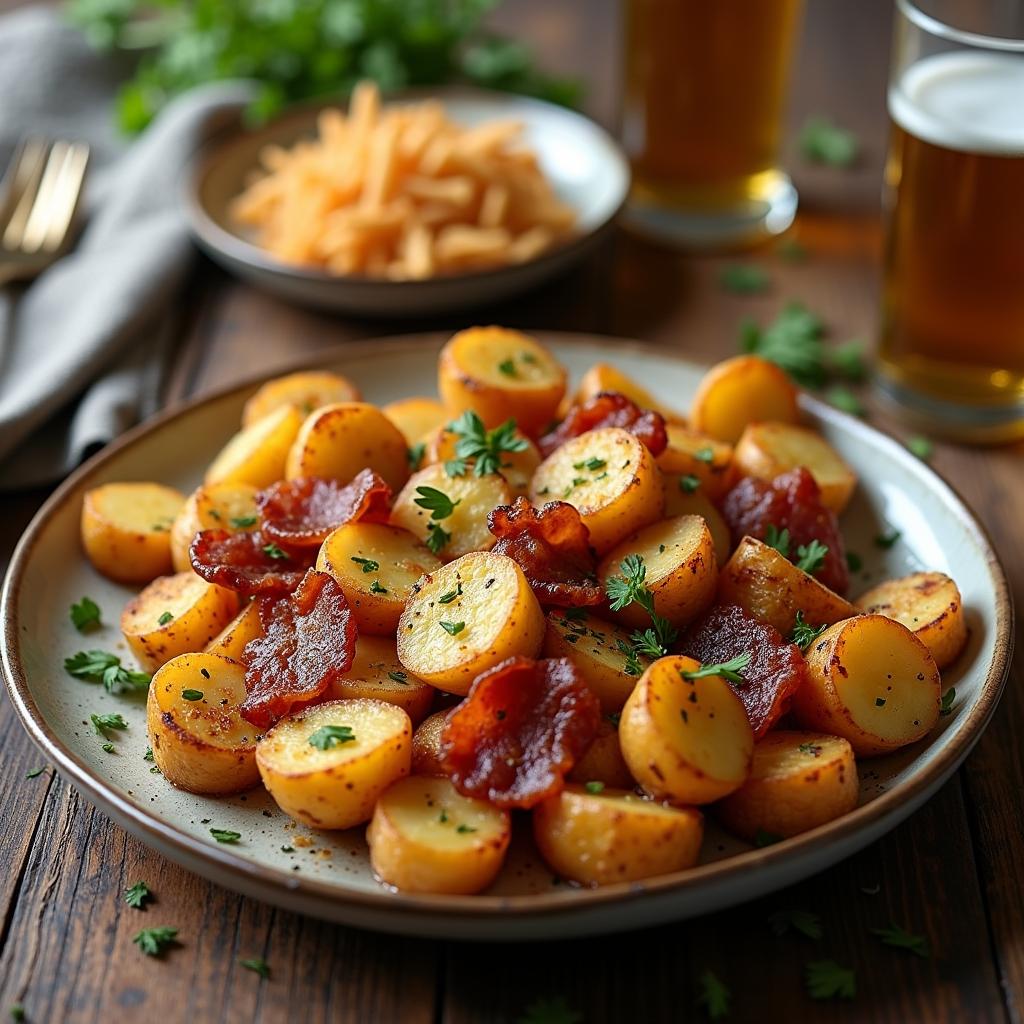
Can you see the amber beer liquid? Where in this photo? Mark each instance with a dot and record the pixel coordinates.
(952, 341)
(703, 106)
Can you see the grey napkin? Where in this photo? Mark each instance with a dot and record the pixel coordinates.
(82, 348)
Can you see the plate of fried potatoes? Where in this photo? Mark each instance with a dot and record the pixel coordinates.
(363, 642)
(417, 204)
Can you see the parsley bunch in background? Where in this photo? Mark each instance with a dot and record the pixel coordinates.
(301, 49)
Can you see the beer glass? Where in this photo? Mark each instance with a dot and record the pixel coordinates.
(702, 118)
(952, 335)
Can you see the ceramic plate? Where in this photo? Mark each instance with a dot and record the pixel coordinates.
(584, 164)
(327, 874)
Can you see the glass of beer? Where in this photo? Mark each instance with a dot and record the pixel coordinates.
(704, 99)
(952, 336)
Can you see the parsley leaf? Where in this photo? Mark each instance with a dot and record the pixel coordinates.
(629, 588)
(415, 455)
(368, 564)
(811, 557)
(244, 522)
(260, 967)
(85, 615)
(823, 142)
(825, 979)
(688, 483)
(399, 677)
(811, 749)
(153, 941)
(792, 341)
(273, 551)
(17, 1012)
(507, 368)
(436, 502)
(732, 670)
(778, 539)
(138, 896)
(35, 773)
(847, 360)
(550, 1011)
(888, 539)
(804, 634)
(376, 588)
(103, 723)
(464, 829)
(192, 694)
(452, 628)
(329, 736)
(845, 400)
(594, 787)
(802, 921)
(744, 278)
(714, 996)
(485, 447)
(899, 938)
(946, 703)
(164, 619)
(106, 668)
(450, 595)
(921, 447)
(437, 537)
(225, 835)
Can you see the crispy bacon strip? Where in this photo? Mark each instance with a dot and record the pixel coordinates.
(248, 562)
(792, 501)
(519, 731)
(552, 548)
(776, 669)
(608, 409)
(309, 641)
(301, 513)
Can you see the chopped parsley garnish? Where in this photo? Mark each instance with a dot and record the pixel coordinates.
(153, 941)
(17, 1012)
(888, 539)
(704, 455)
(443, 816)
(104, 723)
(258, 966)
(464, 829)
(802, 921)
(437, 537)
(225, 835)
(148, 756)
(946, 703)
(399, 677)
(825, 979)
(714, 996)
(845, 400)
(85, 615)
(273, 551)
(804, 634)
(164, 619)
(192, 694)
(452, 628)
(138, 896)
(368, 564)
(106, 668)
(436, 502)
(244, 522)
(329, 736)
(792, 341)
(593, 464)
(879, 702)
(107, 748)
(847, 360)
(731, 670)
(811, 749)
(824, 142)
(35, 773)
(485, 447)
(899, 938)
(688, 483)
(415, 455)
(811, 557)
(744, 278)
(376, 588)
(507, 368)
(594, 787)
(778, 539)
(450, 595)
(921, 447)
(628, 588)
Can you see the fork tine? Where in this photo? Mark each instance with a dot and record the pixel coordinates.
(65, 198)
(24, 182)
(38, 219)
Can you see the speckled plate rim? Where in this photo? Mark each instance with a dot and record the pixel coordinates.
(440, 914)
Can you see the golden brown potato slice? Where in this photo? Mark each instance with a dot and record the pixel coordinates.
(610, 477)
(416, 417)
(425, 836)
(929, 605)
(243, 629)
(771, 588)
(595, 647)
(685, 736)
(426, 745)
(224, 506)
(605, 377)
(680, 500)
(126, 529)
(303, 391)
(376, 567)
(200, 741)
(256, 454)
(798, 780)
(175, 615)
(466, 525)
(704, 462)
(337, 441)
(871, 681)
(466, 617)
(327, 765)
(681, 570)
(742, 390)
(614, 836)
(377, 673)
(602, 764)
(768, 449)
(500, 375)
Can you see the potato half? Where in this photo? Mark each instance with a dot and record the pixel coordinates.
(126, 528)
(327, 765)
(200, 742)
(682, 571)
(615, 836)
(175, 615)
(256, 454)
(871, 681)
(602, 762)
(303, 391)
(425, 836)
(467, 617)
(500, 375)
(415, 417)
(685, 739)
(610, 477)
(699, 458)
(772, 589)
(377, 673)
(245, 627)
(426, 745)
(375, 566)
(224, 506)
(679, 501)
(798, 780)
(929, 605)
(605, 377)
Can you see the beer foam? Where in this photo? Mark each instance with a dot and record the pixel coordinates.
(969, 101)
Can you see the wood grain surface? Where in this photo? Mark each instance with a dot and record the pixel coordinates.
(953, 873)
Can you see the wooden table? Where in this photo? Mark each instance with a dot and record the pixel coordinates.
(954, 872)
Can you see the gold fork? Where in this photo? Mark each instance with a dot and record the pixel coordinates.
(38, 200)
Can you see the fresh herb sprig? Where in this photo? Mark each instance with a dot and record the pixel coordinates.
(486, 448)
(85, 615)
(440, 507)
(629, 588)
(804, 634)
(106, 668)
(731, 670)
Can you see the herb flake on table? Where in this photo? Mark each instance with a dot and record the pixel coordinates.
(825, 979)
(845, 400)
(552, 1010)
(920, 446)
(900, 938)
(327, 737)
(35, 773)
(154, 941)
(85, 615)
(257, 966)
(106, 668)
(822, 141)
(744, 278)
(17, 1012)
(714, 996)
(225, 835)
(138, 895)
(802, 921)
(792, 341)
